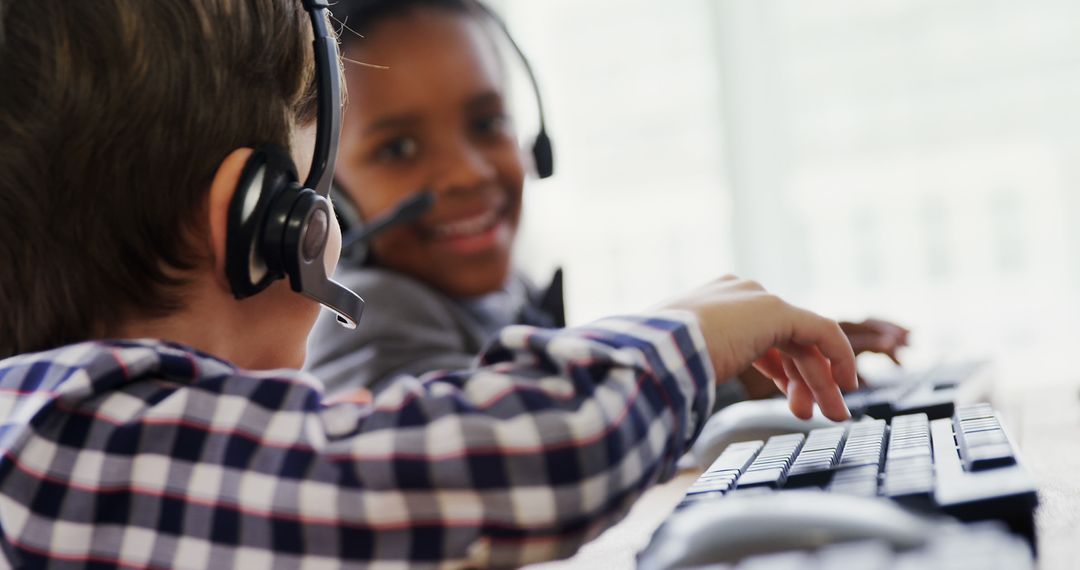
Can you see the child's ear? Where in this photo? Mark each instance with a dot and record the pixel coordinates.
(222, 190)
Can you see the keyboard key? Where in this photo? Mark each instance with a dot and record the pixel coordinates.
(737, 456)
(988, 456)
(974, 411)
(905, 452)
(985, 438)
(763, 478)
(980, 425)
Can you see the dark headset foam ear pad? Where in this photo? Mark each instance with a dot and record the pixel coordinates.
(268, 172)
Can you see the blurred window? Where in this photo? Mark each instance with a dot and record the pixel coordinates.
(912, 159)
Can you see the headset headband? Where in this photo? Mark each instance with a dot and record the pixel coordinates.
(543, 155)
(328, 79)
(311, 277)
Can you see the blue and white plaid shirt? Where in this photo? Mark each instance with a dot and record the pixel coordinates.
(144, 454)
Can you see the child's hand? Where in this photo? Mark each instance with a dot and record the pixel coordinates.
(806, 355)
(871, 335)
(875, 335)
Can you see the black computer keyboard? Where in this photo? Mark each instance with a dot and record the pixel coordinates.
(963, 466)
(932, 392)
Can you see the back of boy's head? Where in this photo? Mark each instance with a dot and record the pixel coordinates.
(114, 116)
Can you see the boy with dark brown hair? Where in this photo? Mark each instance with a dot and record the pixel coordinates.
(149, 217)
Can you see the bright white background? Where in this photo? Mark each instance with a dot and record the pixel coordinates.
(917, 160)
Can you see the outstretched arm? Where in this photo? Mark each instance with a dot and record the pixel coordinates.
(551, 440)
(524, 458)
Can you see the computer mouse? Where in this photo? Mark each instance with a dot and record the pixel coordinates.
(731, 528)
(750, 420)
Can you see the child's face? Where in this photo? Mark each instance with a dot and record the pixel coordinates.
(437, 120)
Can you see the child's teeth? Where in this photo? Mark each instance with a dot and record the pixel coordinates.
(469, 226)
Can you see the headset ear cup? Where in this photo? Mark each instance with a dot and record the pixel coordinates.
(266, 176)
(543, 155)
(305, 235)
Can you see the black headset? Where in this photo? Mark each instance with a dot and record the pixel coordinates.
(542, 151)
(278, 227)
(357, 232)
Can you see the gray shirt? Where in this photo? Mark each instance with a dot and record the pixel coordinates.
(410, 328)
(407, 327)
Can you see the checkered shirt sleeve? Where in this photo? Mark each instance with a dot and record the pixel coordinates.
(144, 454)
